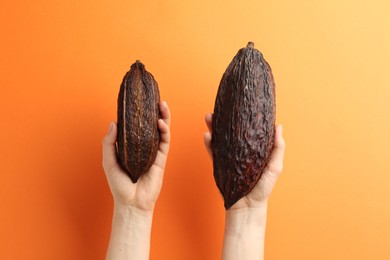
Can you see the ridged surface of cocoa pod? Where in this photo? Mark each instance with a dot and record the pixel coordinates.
(243, 126)
(138, 113)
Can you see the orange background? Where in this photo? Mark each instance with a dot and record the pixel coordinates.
(61, 64)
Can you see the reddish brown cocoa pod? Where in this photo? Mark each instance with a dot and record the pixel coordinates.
(138, 113)
(243, 125)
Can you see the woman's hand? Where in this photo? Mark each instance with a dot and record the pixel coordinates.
(143, 194)
(259, 195)
(245, 221)
(134, 202)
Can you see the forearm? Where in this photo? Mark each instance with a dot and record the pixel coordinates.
(244, 234)
(130, 234)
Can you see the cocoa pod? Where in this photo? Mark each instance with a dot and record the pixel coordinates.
(138, 113)
(243, 126)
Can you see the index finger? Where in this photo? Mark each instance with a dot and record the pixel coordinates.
(209, 121)
(165, 113)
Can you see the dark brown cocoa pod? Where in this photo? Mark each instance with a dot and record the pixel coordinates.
(138, 113)
(243, 126)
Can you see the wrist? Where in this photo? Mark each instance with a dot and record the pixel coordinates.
(247, 221)
(132, 212)
(130, 233)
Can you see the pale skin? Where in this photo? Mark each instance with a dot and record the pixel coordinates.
(245, 221)
(134, 203)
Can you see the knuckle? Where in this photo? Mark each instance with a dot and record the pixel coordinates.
(105, 141)
(282, 144)
(276, 168)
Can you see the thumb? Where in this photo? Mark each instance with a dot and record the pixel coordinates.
(110, 160)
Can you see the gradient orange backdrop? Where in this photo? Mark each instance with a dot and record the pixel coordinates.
(61, 64)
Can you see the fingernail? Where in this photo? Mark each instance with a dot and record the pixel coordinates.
(281, 129)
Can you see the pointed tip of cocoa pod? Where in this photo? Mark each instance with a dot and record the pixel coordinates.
(229, 201)
(228, 205)
(138, 64)
(250, 45)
